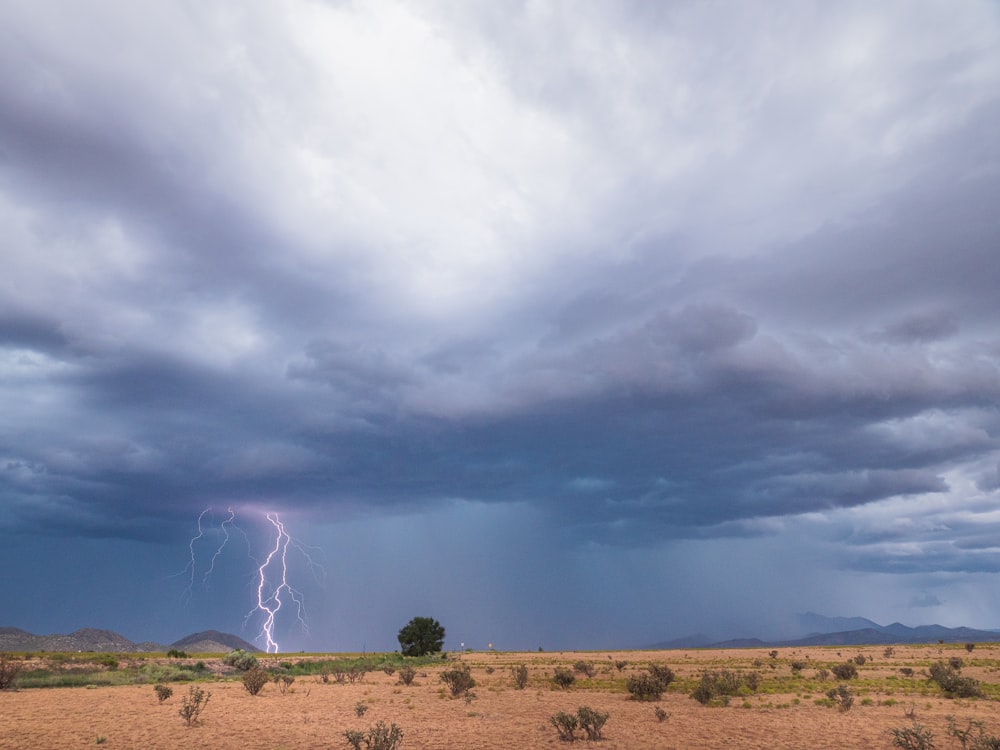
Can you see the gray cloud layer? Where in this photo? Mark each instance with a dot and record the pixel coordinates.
(653, 272)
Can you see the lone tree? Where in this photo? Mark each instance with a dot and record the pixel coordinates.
(420, 636)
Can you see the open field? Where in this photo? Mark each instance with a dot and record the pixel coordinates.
(788, 710)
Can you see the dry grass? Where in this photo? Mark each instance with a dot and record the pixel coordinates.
(783, 714)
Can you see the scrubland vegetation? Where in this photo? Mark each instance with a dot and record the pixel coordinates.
(934, 696)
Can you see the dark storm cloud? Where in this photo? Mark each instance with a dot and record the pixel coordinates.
(646, 275)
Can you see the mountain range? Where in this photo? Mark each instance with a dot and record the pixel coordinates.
(92, 639)
(817, 630)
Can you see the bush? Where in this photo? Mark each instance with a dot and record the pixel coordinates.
(970, 740)
(662, 673)
(969, 647)
(175, 654)
(421, 636)
(846, 671)
(591, 721)
(379, 737)
(162, 692)
(254, 680)
(956, 662)
(660, 714)
(952, 684)
(193, 704)
(644, 686)
(841, 697)
(584, 668)
(283, 681)
(906, 671)
(240, 659)
(912, 738)
(860, 660)
(458, 680)
(797, 666)
(406, 675)
(360, 708)
(563, 677)
(566, 725)
(718, 687)
(10, 668)
(520, 675)
(620, 664)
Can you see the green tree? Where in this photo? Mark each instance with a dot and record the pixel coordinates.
(421, 636)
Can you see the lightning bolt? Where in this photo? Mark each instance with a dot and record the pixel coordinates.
(271, 577)
(269, 600)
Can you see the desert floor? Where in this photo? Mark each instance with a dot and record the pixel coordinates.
(312, 714)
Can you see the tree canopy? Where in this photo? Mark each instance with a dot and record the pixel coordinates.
(420, 636)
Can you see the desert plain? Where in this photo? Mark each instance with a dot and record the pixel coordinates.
(789, 710)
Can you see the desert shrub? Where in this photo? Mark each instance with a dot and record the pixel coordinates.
(193, 704)
(175, 654)
(660, 714)
(860, 660)
(565, 725)
(584, 668)
(360, 708)
(663, 673)
(162, 692)
(591, 721)
(357, 673)
(974, 736)
(952, 684)
(969, 647)
(797, 666)
(563, 677)
(10, 668)
(283, 681)
(620, 664)
(644, 686)
(822, 673)
(841, 697)
(490, 670)
(406, 675)
(912, 738)
(956, 663)
(773, 654)
(906, 671)
(845, 671)
(107, 660)
(459, 680)
(520, 675)
(888, 651)
(240, 659)
(378, 737)
(717, 687)
(254, 680)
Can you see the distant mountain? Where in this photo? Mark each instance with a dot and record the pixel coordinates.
(212, 640)
(858, 631)
(107, 641)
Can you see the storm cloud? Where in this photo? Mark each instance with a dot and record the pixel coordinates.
(574, 308)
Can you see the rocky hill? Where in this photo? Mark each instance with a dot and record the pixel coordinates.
(92, 639)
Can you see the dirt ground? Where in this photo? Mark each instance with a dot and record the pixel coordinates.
(314, 715)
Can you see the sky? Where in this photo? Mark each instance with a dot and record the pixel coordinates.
(568, 324)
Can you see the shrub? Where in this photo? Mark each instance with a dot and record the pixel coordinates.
(107, 660)
(360, 708)
(283, 681)
(193, 704)
(406, 675)
(969, 647)
(175, 654)
(520, 675)
(970, 740)
(566, 725)
(591, 721)
(912, 738)
(379, 737)
(620, 664)
(10, 668)
(162, 692)
(240, 659)
(952, 684)
(660, 714)
(906, 671)
(563, 677)
(797, 666)
(860, 660)
(458, 680)
(421, 636)
(663, 673)
(584, 668)
(254, 680)
(956, 662)
(888, 651)
(717, 687)
(841, 697)
(644, 686)
(845, 671)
